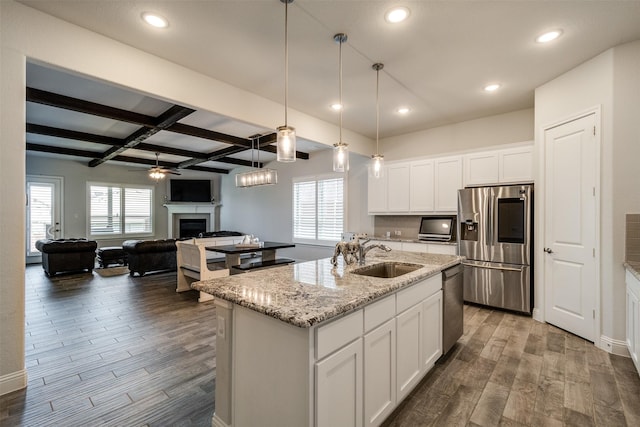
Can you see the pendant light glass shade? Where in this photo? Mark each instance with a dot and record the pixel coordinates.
(286, 142)
(286, 139)
(377, 166)
(340, 149)
(340, 157)
(376, 170)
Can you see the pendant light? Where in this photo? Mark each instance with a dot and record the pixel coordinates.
(286, 139)
(377, 166)
(258, 176)
(340, 149)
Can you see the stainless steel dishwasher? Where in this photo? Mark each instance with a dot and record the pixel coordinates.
(452, 315)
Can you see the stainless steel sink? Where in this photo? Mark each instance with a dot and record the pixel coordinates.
(387, 270)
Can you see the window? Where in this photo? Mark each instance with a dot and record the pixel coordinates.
(116, 210)
(318, 210)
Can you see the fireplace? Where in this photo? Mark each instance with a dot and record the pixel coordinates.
(192, 227)
(180, 211)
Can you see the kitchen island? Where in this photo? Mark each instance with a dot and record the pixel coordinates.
(311, 344)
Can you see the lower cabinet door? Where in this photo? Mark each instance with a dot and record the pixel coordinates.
(379, 373)
(339, 387)
(432, 330)
(408, 350)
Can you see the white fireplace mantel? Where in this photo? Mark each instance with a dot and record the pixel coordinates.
(188, 208)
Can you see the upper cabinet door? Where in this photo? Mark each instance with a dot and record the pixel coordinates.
(377, 194)
(516, 165)
(421, 186)
(448, 179)
(398, 187)
(481, 168)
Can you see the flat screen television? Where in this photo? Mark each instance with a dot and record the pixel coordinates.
(190, 190)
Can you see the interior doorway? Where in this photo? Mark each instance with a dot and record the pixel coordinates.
(571, 226)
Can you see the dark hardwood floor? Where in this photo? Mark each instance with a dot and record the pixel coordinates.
(123, 351)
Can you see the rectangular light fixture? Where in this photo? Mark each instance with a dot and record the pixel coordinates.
(257, 177)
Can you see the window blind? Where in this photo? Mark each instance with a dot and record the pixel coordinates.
(318, 210)
(116, 210)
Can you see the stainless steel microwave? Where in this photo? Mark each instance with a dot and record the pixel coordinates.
(437, 228)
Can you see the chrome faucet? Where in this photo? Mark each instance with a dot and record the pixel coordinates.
(362, 250)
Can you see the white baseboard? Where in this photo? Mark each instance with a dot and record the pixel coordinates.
(217, 422)
(537, 315)
(13, 381)
(613, 346)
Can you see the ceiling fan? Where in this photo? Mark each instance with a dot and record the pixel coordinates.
(158, 172)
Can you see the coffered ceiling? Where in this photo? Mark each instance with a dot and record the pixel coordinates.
(437, 62)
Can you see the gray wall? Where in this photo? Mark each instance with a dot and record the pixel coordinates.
(76, 174)
(267, 211)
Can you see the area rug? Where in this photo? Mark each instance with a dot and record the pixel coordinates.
(112, 271)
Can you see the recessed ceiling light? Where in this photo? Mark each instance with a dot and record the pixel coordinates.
(397, 14)
(549, 36)
(155, 20)
(403, 110)
(336, 107)
(492, 87)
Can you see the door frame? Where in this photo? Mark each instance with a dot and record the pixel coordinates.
(540, 284)
(58, 183)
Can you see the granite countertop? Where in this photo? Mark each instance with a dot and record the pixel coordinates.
(633, 267)
(308, 293)
(416, 240)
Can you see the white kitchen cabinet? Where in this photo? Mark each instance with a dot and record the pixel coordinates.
(502, 166)
(379, 373)
(408, 355)
(633, 319)
(421, 186)
(397, 187)
(432, 330)
(448, 180)
(339, 387)
(481, 168)
(377, 194)
(516, 165)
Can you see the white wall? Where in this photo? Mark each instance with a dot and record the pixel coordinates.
(501, 129)
(267, 211)
(610, 81)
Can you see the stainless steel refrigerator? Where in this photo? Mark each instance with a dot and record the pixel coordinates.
(495, 234)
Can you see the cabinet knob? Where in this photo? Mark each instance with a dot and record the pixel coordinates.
(548, 250)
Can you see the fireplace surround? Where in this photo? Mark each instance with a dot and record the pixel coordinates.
(189, 211)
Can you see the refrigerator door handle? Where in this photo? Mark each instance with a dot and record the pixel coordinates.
(491, 267)
(490, 221)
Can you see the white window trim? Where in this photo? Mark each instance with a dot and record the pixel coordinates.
(122, 234)
(320, 177)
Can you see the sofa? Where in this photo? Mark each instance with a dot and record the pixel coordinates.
(144, 256)
(63, 255)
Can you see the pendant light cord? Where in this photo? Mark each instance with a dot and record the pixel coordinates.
(286, 59)
(377, 109)
(341, 104)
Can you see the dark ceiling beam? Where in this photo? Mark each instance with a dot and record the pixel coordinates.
(106, 140)
(60, 150)
(89, 154)
(92, 108)
(211, 157)
(166, 119)
(72, 134)
(88, 107)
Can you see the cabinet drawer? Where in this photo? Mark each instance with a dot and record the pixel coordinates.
(416, 293)
(379, 312)
(336, 334)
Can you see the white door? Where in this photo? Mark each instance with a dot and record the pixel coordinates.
(570, 226)
(44, 211)
(379, 373)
